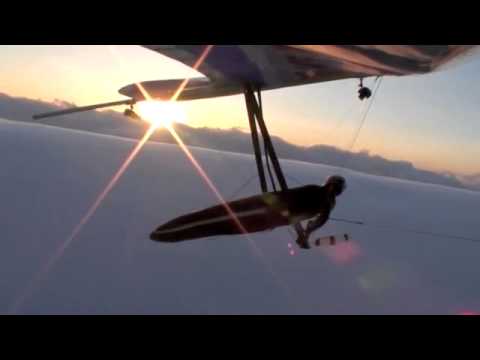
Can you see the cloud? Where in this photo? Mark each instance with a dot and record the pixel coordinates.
(113, 268)
(233, 140)
(472, 181)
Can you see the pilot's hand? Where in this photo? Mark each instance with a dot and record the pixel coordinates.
(302, 240)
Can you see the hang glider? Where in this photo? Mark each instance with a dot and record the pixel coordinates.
(251, 69)
(228, 69)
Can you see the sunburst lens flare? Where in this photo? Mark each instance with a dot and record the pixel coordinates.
(157, 115)
(161, 113)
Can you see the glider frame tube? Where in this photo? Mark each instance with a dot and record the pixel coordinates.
(255, 115)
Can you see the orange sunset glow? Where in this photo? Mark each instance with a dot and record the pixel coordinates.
(326, 113)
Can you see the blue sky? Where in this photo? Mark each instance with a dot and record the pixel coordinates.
(430, 120)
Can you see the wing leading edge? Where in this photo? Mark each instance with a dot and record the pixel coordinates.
(229, 67)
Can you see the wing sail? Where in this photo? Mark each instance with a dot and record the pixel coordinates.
(274, 66)
(227, 68)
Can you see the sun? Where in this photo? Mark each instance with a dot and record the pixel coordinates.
(161, 113)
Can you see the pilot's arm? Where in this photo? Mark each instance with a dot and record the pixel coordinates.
(312, 225)
(317, 223)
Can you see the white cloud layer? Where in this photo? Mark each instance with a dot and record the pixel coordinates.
(51, 176)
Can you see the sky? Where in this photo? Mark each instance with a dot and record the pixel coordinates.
(430, 120)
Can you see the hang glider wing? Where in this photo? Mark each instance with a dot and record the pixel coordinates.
(229, 67)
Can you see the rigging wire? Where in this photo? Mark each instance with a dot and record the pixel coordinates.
(378, 82)
(243, 186)
(349, 149)
(405, 230)
(345, 115)
(427, 233)
(295, 180)
(364, 115)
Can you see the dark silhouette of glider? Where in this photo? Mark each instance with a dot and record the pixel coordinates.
(249, 70)
(258, 213)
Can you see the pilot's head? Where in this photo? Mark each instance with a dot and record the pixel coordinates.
(336, 184)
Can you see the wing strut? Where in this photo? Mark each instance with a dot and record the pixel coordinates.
(255, 116)
(251, 103)
(130, 102)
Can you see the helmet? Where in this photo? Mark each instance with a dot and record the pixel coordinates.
(337, 184)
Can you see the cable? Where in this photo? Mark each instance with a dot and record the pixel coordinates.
(362, 124)
(427, 233)
(411, 231)
(348, 221)
(245, 184)
(341, 120)
(290, 177)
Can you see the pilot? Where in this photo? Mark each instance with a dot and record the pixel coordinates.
(334, 186)
(259, 213)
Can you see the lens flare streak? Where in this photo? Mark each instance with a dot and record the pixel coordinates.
(59, 252)
(91, 211)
